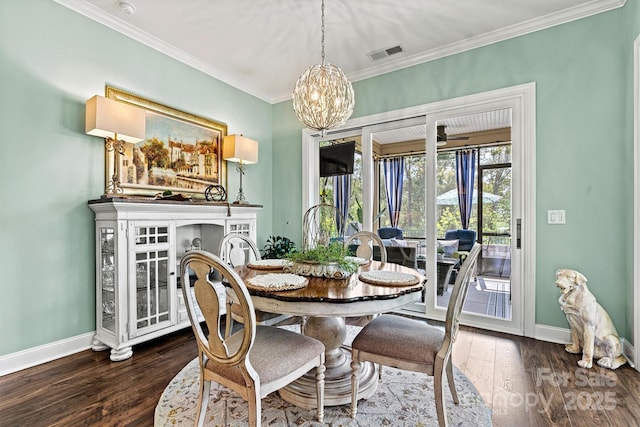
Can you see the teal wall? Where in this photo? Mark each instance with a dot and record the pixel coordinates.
(584, 144)
(631, 25)
(51, 61)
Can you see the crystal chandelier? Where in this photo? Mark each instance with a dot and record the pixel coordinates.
(323, 96)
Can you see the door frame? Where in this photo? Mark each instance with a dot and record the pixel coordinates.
(521, 100)
(635, 350)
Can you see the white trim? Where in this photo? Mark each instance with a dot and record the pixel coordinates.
(563, 336)
(562, 17)
(580, 11)
(93, 12)
(521, 99)
(636, 196)
(45, 353)
(552, 334)
(629, 352)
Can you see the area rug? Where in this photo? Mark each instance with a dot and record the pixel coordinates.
(402, 399)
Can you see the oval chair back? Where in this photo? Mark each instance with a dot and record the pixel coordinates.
(237, 249)
(225, 358)
(366, 240)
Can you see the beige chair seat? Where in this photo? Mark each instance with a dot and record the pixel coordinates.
(405, 340)
(415, 345)
(292, 350)
(252, 361)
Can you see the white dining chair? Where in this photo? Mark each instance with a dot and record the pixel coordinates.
(252, 360)
(415, 345)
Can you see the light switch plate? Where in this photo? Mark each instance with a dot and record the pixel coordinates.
(555, 217)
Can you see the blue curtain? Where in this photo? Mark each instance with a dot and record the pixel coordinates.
(393, 177)
(465, 174)
(341, 197)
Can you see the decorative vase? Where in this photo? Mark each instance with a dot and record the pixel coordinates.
(316, 269)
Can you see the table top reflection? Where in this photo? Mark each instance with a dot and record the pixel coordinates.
(331, 297)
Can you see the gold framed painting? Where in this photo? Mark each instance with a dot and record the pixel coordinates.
(181, 152)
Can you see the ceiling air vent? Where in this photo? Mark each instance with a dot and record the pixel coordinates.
(383, 53)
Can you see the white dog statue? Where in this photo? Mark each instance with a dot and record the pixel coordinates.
(592, 330)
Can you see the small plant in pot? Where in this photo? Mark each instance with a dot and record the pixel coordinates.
(277, 247)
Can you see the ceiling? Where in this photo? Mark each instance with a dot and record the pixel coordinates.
(472, 130)
(262, 46)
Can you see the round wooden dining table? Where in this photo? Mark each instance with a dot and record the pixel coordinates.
(325, 302)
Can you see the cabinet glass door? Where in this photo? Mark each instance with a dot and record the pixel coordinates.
(107, 279)
(152, 287)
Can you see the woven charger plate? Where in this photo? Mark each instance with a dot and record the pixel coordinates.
(268, 264)
(389, 278)
(277, 282)
(358, 260)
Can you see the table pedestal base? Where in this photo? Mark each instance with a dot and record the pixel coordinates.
(331, 331)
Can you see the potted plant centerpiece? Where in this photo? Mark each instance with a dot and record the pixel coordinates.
(330, 261)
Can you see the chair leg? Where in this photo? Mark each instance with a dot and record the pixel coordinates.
(439, 392)
(355, 383)
(255, 408)
(320, 390)
(203, 400)
(303, 322)
(452, 385)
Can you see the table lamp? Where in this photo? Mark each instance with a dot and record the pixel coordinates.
(242, 150)
(117, 123)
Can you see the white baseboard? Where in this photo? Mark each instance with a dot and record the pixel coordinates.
(563, 336)
(45, 353)
(629, 352)
(552, 334)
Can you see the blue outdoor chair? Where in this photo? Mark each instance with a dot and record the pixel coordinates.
(466, 240)
(390, 233)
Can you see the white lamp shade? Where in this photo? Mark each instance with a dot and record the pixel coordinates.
(107, 117)
(238, 148)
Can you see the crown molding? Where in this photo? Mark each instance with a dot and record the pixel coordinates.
(567, 15)
(90, 11)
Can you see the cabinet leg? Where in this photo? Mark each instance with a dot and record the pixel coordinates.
(97, 345)
(119, 354)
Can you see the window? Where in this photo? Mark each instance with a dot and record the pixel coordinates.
(354, 217)
(412, 211)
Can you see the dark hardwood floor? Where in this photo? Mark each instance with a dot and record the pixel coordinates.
(524, 381)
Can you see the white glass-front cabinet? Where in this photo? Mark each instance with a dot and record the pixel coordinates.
(139, 245)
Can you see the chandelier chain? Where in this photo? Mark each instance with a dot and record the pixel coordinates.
(323, 96)
(322, 30)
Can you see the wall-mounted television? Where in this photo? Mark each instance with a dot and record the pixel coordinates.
(337, 159)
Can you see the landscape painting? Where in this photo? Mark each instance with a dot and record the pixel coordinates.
(181, 152)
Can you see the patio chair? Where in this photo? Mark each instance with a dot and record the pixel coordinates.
(466, 240)
(390, 233)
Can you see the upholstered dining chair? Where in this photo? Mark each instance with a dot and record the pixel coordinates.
(237, 249)
(414, 345)
(253, 361)
(366, 241)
